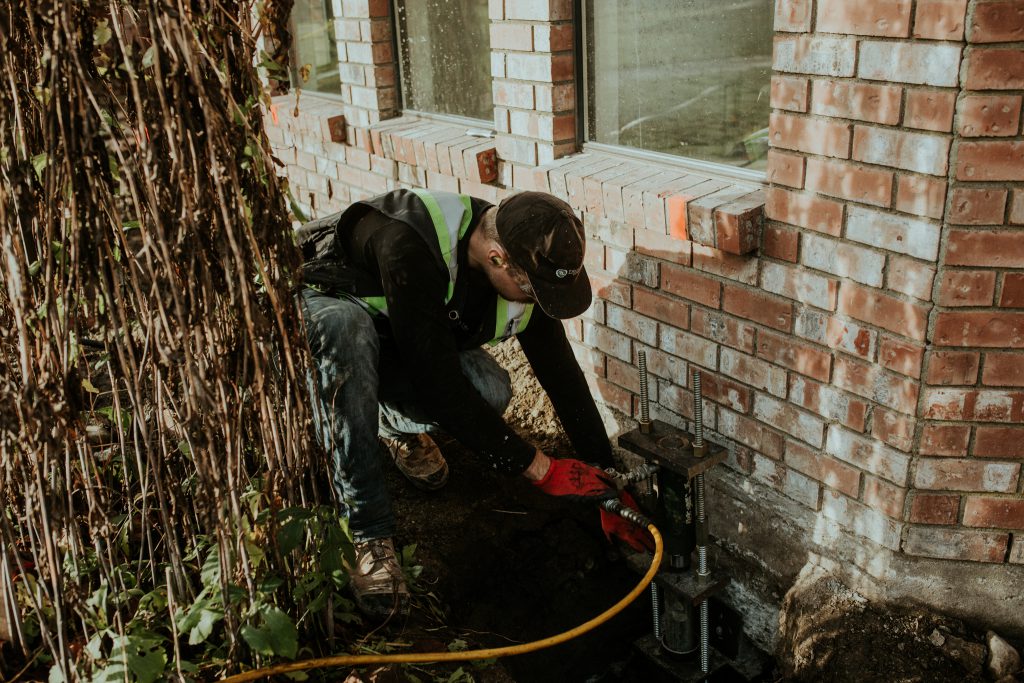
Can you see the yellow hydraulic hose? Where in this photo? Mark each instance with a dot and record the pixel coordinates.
(466, 655)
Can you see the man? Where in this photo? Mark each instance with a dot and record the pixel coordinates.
(402, 290)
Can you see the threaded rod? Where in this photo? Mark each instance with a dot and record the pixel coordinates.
(655, 611)
(698, 412)
(645, 401)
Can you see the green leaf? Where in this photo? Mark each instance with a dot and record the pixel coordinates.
(275, 636)
(457, 645)
(293, 531)
(56, 675)
(88, 386)
(39, 163)
(208, 618)
(210, 574)
(102, 34)
(147, 57)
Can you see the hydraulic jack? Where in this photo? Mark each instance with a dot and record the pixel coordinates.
(687, 618)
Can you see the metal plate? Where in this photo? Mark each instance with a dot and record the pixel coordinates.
(672, 448)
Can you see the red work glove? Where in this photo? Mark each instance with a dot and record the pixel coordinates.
(632, 535)
(575, 480)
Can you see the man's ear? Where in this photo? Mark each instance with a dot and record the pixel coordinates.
(496, 257)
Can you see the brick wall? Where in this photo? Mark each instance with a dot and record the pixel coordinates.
(857, 320)
(965, 500)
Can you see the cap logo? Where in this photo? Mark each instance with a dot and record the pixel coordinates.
(562, 272)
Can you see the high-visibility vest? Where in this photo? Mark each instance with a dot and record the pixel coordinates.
(451, 215)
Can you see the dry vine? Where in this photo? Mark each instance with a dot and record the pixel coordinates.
(152, 412)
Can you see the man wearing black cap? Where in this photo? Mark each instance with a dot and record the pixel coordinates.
(401, 292)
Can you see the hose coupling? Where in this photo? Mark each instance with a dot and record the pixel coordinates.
(636, 474)
(627, 513)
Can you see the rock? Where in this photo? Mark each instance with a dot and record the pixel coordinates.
(970, 656)
(937, 639)
(1003, 659)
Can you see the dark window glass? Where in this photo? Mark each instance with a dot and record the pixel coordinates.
(314, 57)
(685, 77)
(446, 57)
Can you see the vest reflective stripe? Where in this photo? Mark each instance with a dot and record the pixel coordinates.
(512, 318)
(451, 215)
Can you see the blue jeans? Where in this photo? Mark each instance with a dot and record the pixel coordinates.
(358, 394)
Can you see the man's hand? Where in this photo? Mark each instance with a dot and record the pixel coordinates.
(576, 480)
(635, 537)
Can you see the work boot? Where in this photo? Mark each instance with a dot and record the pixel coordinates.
(378, 584)
(419, 459)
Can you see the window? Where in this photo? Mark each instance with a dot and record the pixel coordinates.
(446, 57)
(314, 56)
(689, 78)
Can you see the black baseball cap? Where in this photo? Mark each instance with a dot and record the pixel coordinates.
(544, 238)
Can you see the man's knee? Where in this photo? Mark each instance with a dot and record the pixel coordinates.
(338, 327)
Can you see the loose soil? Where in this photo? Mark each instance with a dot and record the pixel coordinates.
(510, 565)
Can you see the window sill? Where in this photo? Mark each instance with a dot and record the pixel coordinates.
(721, 213)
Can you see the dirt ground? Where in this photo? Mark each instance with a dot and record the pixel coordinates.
(511, 565)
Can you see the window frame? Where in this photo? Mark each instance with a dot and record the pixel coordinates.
(708, 168)
(455, 119)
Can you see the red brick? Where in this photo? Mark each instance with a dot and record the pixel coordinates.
(1013, 291)
(953, 368)
(997, 22)
(814, 136)
(756, 373)
(793, 15)
(941, 439)
(853, 100)
(726, 392)
(803, 358)
(956, 544)
(980, 405)
(610, 289)
(990, 115)
(921, 195)
(685, 283)
(916, 62)
(789, 92)
(902, 149)
(823, 468)
(800, 285)
(900, 356)
(940, 19)
(995, 69)
(985, 248)
(786, 169)
(875, 307)
(1003, 369)
(666, 309)
(805, 210)
(930, 109)
(1017, 213)
(977, 206)
(650, 243)
(751, 433)
(781, 243)
(884, 497)
(981, 328)
(870, 382)
(893, 428)
(553, 38)
(632, 324)
(849, 181)
(845, 335)
(879, 18)
(990, 161)
(738, 224)
(739, 268)
(910, 277)
(815, 54)
(967, 288)
(752, 305)
(994, 513)
(828, 402)
(626, 376)
(952, 474)
(999, 442)
(934, 508)
(723, 329)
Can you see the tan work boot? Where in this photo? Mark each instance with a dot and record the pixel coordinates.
(378, 584)
(419, 459)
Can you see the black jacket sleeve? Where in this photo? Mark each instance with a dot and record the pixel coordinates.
(415, 286)
(552, 359)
